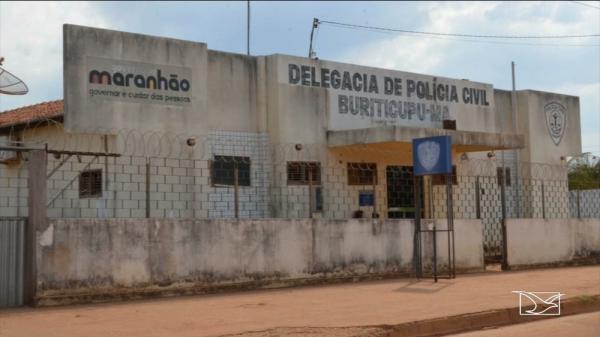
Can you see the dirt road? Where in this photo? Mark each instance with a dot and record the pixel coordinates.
(296, 311)
(584, 325)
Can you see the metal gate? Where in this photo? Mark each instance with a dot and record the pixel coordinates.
(12, 240)
(488, 203)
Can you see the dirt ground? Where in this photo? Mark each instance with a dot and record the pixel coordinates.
(356, 309)
(584, 325)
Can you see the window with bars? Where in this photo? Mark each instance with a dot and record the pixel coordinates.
(362, 173)
(300, 172)
(500, 174)
(223, 170)
(90, 184)
(440, 179)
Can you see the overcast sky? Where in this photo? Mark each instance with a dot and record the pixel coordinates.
(31, 40)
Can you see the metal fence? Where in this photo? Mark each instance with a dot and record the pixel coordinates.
(233, 174)
(585, 203)
(12, 235)
(249, 187)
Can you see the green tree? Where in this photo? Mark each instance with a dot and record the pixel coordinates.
(584, 172)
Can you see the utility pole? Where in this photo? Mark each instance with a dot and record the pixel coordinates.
(312, 32)
(248, 28)
(515, 131)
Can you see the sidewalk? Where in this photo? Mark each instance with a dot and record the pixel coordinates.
(345, 305)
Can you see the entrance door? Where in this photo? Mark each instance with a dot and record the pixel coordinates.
(400, 192)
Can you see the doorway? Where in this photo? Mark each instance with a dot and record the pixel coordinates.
(400, 192)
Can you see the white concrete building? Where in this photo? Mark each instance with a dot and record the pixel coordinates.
(184, 119)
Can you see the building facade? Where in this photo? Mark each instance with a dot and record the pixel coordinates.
(194, 132)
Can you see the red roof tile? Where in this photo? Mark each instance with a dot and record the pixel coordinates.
(31, 113)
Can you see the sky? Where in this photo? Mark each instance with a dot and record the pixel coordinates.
(31, 40)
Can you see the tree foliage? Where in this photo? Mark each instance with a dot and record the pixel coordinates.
(584, 174)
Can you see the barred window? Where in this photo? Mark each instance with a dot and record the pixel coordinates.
(90, 184)
(500, 174)
(362, 173)
(440, 179)
(223, 170)
(299, 173)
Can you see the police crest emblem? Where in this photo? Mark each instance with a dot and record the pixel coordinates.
(556, 120)
(429, 154)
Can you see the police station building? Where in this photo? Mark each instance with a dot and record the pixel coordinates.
(298, 137)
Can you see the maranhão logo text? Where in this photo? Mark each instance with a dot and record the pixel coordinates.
(159, 87)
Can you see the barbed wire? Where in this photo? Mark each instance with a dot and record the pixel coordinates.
(195, 176)
(239, 146)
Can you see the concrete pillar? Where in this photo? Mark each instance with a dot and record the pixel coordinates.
(261, 94)
(37, 219)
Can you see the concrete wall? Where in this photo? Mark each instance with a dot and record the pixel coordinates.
(539, 146)
(92, 259)
(475, 117)
(295, 114)
(233, 97)
(87, 49)
(531, 122)
(225, 89)
(235, 92)
(542, 242)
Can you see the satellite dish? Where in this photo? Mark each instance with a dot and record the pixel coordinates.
(11, 84)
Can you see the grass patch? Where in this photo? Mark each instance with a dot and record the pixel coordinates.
(586, 299)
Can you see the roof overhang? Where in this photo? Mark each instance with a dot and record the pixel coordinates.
(462, 141)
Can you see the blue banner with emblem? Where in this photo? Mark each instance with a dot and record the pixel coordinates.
(432, 155)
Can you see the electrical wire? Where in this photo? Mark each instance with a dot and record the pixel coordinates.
(472, 41)
(460, 35)
(584, 4)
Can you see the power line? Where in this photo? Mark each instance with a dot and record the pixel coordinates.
(584, 4)
(460, 35)
(474, 41)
